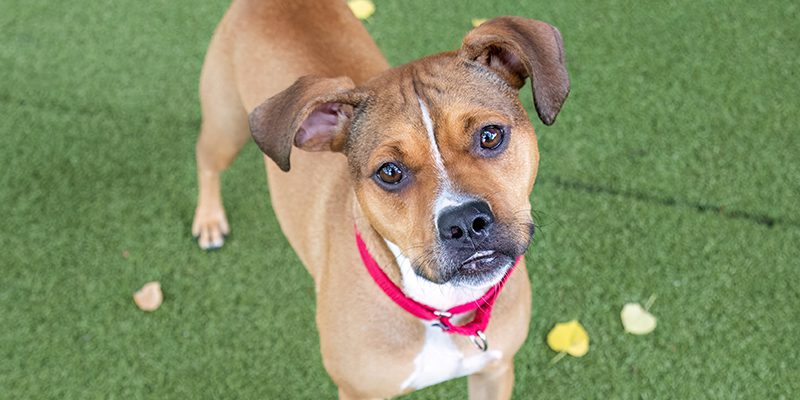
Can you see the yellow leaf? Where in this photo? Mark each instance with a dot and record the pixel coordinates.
(476, 22)
(569, 337)
(362, 9)
(637, 320)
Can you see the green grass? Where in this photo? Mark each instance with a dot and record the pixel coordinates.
(673, 170)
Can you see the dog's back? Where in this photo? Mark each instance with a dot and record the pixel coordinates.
(276, 42)
(259, 49)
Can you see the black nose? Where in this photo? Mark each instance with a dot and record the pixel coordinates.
(466, 222)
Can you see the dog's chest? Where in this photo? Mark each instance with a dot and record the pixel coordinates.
(441, 360)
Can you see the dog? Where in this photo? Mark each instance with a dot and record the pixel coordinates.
(404, 191)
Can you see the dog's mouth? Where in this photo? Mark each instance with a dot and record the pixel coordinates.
(481, 268)
(480, 262)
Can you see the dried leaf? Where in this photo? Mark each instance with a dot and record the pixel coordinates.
(149, 297)
(569, 337)
(637, 320)
(476, 22)
(362, 9)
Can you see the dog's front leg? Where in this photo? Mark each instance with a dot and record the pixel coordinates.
(493, 383)
(343, 395)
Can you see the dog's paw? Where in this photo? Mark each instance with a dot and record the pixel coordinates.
(210, 227)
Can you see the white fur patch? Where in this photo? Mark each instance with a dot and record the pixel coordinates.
(439, 360)
(437, 156)
(447, 196)
(446, 199)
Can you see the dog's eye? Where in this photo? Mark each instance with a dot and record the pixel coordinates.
(491, 136)
(390, 173)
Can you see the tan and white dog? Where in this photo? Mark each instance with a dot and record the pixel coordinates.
(433, 162)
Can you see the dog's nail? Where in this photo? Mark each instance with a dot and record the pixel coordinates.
(211, 246)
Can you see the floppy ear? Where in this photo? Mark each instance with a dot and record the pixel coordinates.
(312, 114)
(517, 48)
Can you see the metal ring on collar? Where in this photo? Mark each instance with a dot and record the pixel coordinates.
(479, 340)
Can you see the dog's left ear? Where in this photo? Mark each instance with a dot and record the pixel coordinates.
(312, 114)
(517, 48)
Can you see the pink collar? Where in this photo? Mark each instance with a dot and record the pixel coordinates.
(483, 306)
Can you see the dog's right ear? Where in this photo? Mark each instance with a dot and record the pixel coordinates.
(312, 114)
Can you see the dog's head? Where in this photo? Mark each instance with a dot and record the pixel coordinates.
(442, 154)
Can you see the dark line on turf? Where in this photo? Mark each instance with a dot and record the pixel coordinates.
(758, 218)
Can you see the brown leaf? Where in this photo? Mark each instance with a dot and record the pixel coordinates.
(149, 297)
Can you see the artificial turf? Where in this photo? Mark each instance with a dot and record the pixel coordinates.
(673, 170)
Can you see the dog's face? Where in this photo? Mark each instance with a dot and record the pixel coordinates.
(445, 146)
(442, 154)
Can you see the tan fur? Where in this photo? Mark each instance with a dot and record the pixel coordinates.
(260, 48)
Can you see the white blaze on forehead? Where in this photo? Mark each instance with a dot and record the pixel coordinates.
(447, 196)
(437, 156)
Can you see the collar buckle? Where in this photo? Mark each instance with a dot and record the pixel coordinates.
(443, 314)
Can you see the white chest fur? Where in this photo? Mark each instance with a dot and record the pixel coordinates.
(440, 359)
